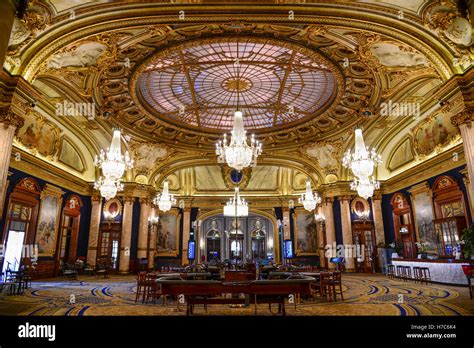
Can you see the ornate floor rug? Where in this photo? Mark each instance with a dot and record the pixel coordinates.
(363, 295)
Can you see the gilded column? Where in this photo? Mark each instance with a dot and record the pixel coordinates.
(10, 123)
(126, 239)
(330, 227)
(186, 230)
(94, 230)
(321, 237)
(347, 230)
(286, 223)
(152, 239)
(143, 229)
(464, 121)
(378, 220)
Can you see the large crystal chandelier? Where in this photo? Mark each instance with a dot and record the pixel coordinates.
(236, 206)
(108, 188)
(237, 153)
(165, 200)
(308, 199)
(362, 163)
(365, 187)
(112, 162)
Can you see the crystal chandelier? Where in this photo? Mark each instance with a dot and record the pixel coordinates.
(108, 188)
(237, 153)
(165, 200)
(236, 206)
(363, 161)
(365, 187)
(112, 162)
(308, 199)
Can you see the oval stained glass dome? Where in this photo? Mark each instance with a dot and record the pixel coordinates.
(201, 83)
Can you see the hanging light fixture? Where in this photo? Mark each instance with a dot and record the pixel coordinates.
(236, 206)
(365, 187)
(308, 199)
(108, 188)
(363, 161)
(112, 162)
(165, 200)
(238, 154)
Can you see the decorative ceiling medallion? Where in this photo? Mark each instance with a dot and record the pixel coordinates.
(231, 179)
(195, 84)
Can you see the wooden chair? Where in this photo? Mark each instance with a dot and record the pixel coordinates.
(407, 273)
(391, 271)
(141, 286)
(425, 275)
(336, 283)
(323, 285)
(152, 290)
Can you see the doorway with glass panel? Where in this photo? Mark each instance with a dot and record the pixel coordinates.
(109, 246)
(19, 216)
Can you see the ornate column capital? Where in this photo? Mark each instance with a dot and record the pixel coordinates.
(377, 196)
(329, 200)
(144, 201)
(9, 118)
(128, 199)
(345, 198)
(465, 116)
(96, 199)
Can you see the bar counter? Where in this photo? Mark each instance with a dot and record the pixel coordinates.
(446, 271)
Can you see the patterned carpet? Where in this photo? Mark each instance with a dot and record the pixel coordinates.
(364, 295)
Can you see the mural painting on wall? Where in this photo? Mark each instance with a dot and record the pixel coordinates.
(434, 132)
(48, 221)
(305, 233)
(38, 134)
(167, 241)
(424, 221)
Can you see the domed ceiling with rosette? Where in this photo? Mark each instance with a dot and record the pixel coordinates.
(200, 84)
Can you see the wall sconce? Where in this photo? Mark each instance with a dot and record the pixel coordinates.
(270, 244)
(291, 204)
(181, 204)
(319, 218)
(403, 230)
(153, 220)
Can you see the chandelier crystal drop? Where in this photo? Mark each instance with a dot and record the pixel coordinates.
(237, 153)
(363, 161)
(112, 162)
(165, 200)
(108, 188)
(308, 199)
(365, 187)
(236, 206)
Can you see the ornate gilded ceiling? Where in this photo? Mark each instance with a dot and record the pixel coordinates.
(171, 75)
